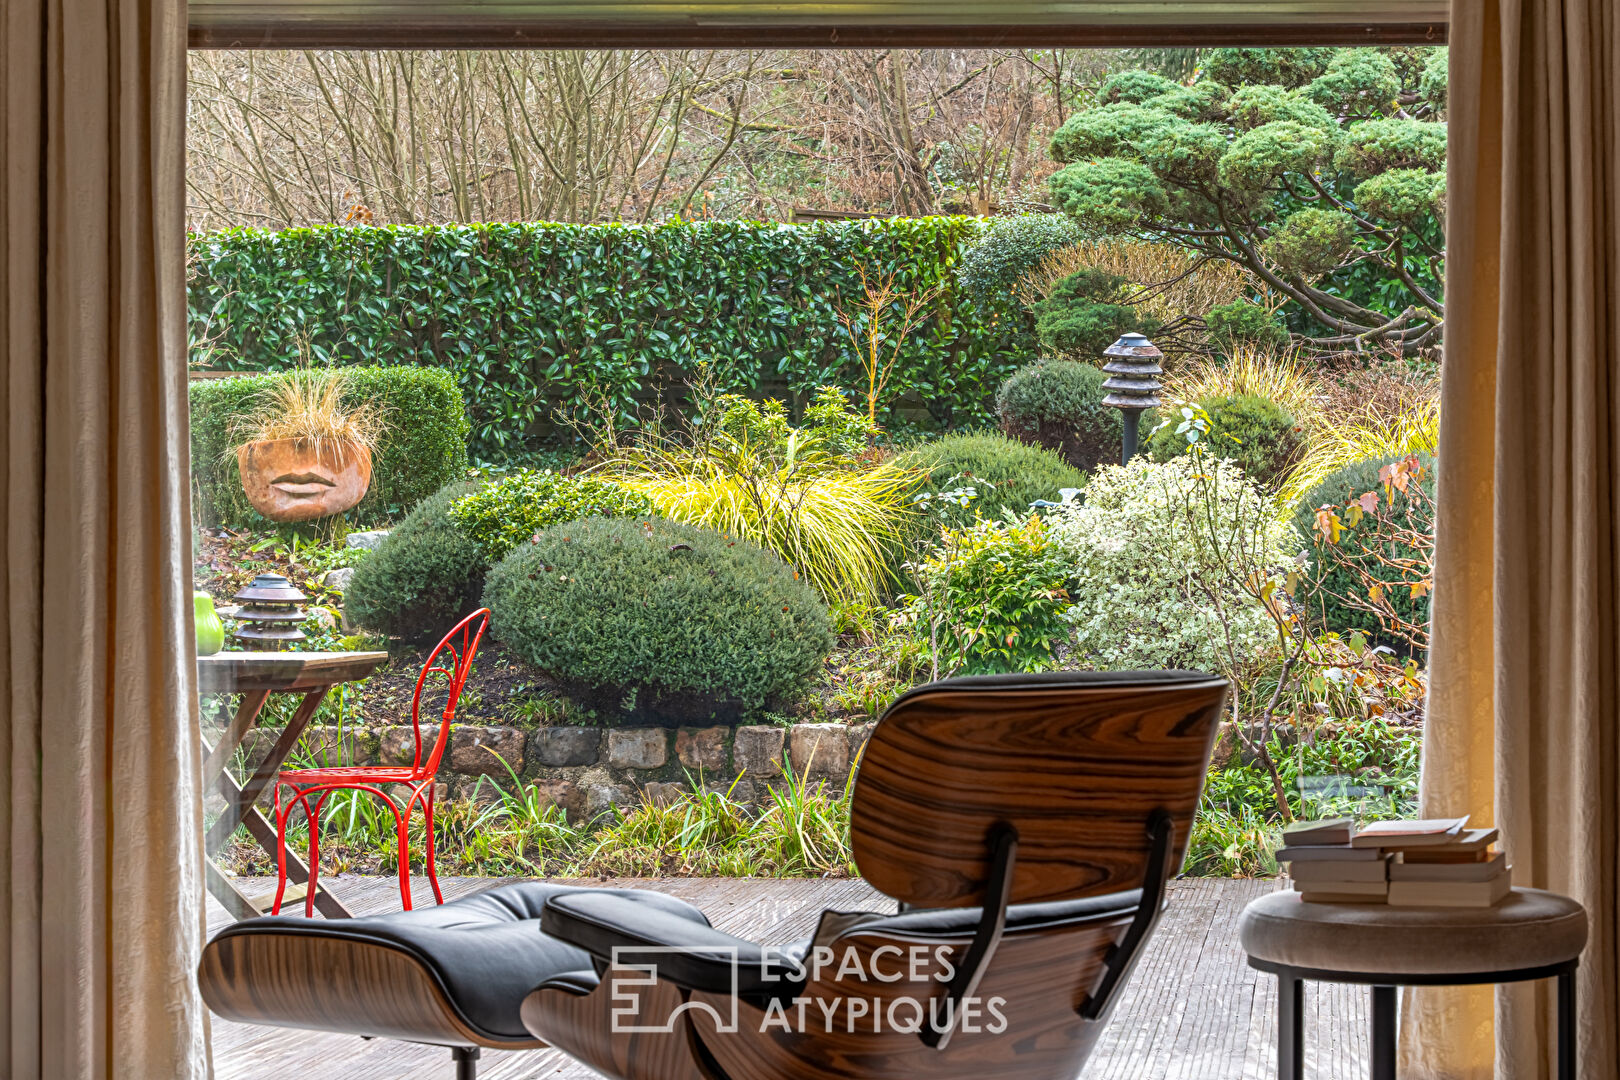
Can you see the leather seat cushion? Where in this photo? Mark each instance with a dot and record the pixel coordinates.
(485, 951)
(612, 926)
(1530, 929)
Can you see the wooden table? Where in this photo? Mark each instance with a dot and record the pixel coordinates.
(257, 675)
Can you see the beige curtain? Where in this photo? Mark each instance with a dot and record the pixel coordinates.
(1524, 716)
(100, 897)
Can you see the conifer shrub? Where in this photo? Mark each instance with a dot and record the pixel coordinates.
(1057, 405)
(423, 577)
(1006, 476)
(1255, 432)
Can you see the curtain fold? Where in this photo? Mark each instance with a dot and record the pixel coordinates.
(1524, 719)
(100, 814)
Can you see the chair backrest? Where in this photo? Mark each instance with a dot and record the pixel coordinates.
(1080, 764)
(452, 658)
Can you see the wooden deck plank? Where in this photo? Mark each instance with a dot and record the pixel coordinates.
(1193, 1010)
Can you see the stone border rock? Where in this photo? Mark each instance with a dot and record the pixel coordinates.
(587, 770)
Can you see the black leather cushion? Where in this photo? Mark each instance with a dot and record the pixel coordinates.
(695, 956)
(486, 951)
(1021, 918)
(601, 921)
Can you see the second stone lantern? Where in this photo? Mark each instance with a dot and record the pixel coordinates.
(1132, 364)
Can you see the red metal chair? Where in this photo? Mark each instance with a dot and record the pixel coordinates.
(298, 785)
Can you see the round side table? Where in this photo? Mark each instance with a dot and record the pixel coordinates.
(1530, 935)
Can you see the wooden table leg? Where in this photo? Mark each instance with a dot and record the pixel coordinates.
(247, 714)
(226, 892)
(240, 800)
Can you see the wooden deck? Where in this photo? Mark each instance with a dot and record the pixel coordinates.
(1193, 1010)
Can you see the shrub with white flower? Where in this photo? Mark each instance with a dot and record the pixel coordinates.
(1162, 551)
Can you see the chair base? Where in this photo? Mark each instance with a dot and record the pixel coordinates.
(466, 1059)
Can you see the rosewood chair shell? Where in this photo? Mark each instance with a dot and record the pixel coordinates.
(1027, 825)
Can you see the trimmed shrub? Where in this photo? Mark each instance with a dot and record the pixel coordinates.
(1242, 323)
(422, 448)
(1057, 405)
(1008, 475)
(663, 622)
(1255, 433)
(1335, 579)
(424, 576)
(1079, 318)
(1009, 248)
(504, 513)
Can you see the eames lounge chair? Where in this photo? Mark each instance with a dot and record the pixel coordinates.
(1027, 825)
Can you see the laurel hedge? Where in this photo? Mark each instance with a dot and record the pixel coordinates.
(529, 315)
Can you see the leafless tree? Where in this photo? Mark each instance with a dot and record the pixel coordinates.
(294, 138)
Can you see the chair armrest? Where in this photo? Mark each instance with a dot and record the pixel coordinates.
(691, 954)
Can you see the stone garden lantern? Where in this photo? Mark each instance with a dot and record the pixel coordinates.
(269, 615)
(1133, 369)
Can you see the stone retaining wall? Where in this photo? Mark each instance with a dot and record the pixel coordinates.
(585, 770)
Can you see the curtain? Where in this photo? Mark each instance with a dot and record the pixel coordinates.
(100, 815)
(1524, 722)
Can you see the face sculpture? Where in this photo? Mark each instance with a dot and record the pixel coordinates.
(295, 480)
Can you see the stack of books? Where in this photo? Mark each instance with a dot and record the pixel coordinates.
(1434, 863)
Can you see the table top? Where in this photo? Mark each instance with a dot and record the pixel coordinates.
(231, 672)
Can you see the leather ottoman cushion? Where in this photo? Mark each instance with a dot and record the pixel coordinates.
(1530, 929)
(485, 951)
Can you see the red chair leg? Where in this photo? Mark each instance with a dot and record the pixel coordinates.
(403, 822)
(281, 851)
(314, 821)
(432, 873)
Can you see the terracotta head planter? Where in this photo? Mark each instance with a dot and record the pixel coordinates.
(292, 480)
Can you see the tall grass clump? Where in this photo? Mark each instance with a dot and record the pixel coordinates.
(1255, 371)
(1373, 432)
(836, 522)
(1165, 281)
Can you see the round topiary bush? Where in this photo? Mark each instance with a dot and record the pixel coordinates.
(1335, 579)
(1010, 247)
(506, 512)
(1007, 475)
(1057, 405)
(668, 623)
(1255, 432)
(1080, 317)
(1242, 323)
(424, 576)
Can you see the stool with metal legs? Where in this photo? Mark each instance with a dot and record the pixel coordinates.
(1530, 935)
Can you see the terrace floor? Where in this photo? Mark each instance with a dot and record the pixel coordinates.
(1192, 1011)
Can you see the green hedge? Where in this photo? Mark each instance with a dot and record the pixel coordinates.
(527, 315)
(423, 448)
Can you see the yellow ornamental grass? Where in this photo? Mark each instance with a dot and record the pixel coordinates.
(1374, 432)
(836, 524)
(1255, 371)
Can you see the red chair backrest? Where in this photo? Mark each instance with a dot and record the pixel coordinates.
(452, 658)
